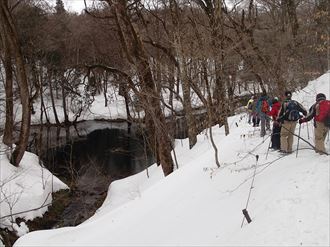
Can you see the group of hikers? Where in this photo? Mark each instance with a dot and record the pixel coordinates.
(285, 116)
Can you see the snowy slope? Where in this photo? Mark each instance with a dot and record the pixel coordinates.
(201, 205)
(25, 191)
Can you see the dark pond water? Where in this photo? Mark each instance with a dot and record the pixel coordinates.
(88, 158)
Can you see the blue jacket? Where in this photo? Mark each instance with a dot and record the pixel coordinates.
(259, 103)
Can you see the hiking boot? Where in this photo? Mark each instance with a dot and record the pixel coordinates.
(320, 152)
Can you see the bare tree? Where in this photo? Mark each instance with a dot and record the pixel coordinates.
(183, 71)
(9, 32)
(7, 61)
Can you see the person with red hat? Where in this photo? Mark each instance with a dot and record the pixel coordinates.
(320, 111)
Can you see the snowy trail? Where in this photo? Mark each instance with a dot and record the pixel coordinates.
(289, 202)
(200, 205)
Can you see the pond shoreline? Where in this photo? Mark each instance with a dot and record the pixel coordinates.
(88, 158)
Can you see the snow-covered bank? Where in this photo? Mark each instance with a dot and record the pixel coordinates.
(25, 191)
(200, 204)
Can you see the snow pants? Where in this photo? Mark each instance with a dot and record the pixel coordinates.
(321, 132)
(255, 119)
(287, 131)
(264, 123)
(276, 139)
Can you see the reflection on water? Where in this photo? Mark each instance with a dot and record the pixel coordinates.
(89, 159)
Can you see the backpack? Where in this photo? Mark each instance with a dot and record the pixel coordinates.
(324, 113)
(264, 106)
(292, 111)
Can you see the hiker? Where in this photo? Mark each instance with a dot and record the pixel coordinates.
(320, 111)
(288, 117)
(263, 109)
(255, 115)
(249, 109)
(275, 139)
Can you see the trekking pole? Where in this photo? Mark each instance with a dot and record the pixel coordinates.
(298, 140)
(313, 147)
(270, 141)
(307, 131)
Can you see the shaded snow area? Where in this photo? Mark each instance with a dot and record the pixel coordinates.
(200, 204)
(25, 191)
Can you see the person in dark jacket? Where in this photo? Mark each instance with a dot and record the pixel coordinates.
(264, 119)
(288, 125)
(255, 115)
(275, 139)
(321, 130)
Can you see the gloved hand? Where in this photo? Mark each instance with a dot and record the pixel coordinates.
(302, 120)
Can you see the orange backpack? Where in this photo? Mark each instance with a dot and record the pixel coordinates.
(264, 106)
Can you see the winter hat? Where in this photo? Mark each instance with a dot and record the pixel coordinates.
(288, 94)
(320, 96)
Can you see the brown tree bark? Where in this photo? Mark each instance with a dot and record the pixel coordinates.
(217, 32)
(291, 8)
(9, 123)
(192, 131)
(183, 76)
(11, 34)
(51, 92)
(135, 52)
(64, 105)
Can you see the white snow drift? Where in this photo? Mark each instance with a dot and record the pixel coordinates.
(200, 204)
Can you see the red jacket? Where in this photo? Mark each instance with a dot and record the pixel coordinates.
(275, 110)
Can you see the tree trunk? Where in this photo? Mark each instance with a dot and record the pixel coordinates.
(51, 92)
(65, 113)
(217, 32)
(123, 92)
(171, 83)
(183, 76)
(136, 55)
(9, 123)
(43, 109)
(293, 18)
(10, 33)
(105, 90)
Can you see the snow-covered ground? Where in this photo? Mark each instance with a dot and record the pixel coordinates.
(25, 191)
(96, 111)
(200, 204)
